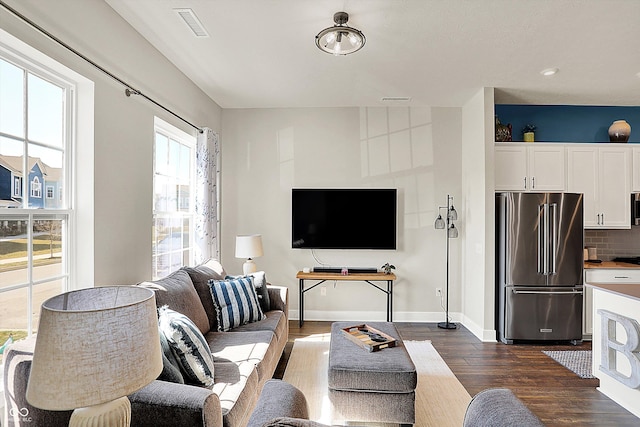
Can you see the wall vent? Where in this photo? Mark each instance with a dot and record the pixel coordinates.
(192, 21)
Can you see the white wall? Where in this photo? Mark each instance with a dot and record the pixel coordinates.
(478, 192)
(123, 140)
(266, 152)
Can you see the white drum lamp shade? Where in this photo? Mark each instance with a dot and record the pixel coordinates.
(93, 348)
(249, 247)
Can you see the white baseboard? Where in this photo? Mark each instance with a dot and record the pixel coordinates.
(484, 335)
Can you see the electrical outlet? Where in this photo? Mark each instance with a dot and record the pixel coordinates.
(323, 291)
(438, 292)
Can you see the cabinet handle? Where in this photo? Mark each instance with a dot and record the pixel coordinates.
(602, 218)
(620, 277)
(533, 183)
(525, 182)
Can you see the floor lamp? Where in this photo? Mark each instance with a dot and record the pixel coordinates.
(452, 233)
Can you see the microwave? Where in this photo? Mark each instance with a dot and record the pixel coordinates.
(635, 209)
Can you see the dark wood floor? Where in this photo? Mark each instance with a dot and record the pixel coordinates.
(555, 394)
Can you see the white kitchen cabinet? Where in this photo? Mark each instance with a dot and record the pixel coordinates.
(635, 186)
(530, 167)
(603, 175)
(604, 275)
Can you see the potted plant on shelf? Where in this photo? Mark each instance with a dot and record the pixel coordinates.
(387, 268)
(528, 133)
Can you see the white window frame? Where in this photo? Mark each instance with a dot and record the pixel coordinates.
(50, 192)
(172, 132)
(78, 125)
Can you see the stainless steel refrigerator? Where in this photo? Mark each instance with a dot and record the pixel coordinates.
(539, 263)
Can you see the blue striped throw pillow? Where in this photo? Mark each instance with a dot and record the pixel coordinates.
(189, 346)
(236, 302)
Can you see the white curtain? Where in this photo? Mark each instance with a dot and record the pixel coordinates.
(207, 150)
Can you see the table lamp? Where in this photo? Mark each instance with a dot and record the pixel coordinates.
(249, 247)
(93, 348)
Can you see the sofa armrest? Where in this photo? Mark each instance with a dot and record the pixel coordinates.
(279, 399)
(279, 298)
(168, 404)
(499, 407)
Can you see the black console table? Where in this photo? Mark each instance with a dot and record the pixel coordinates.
(355, 277)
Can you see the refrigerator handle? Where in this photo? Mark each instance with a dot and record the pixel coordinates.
(553, 209)
(573, 291)
(545, 239)
(540, 238)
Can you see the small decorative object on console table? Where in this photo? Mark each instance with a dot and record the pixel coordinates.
(387, 268)
(249, 247)
(619, 131)
(452, 233)
(95, 347)
(528, 133)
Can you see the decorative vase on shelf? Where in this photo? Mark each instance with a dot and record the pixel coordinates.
(529, 137)
(619, 131)
(503, 132)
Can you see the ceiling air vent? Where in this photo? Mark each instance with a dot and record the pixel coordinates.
(192, 21)
(395, 98)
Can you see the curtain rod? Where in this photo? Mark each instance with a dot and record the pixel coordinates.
(129, 89)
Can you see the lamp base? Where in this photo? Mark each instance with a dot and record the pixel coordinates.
(447, 325)
(116, 413)
(249, 267)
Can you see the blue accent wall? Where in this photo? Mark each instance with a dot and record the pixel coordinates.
(568, 123)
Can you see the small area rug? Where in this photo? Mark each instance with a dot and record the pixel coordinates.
(578, 361)
(441, 400)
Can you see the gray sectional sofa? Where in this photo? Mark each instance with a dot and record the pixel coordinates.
(245, 358)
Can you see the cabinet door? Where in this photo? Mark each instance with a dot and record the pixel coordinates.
(511, 168)
(582, 173)
(636, 169)
(615, 187)
(547, 168)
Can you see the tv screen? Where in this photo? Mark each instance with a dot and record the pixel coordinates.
(343, 218)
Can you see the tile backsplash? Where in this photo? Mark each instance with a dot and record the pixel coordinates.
(614, 243)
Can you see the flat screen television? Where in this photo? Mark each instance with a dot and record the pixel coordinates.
(363, 218)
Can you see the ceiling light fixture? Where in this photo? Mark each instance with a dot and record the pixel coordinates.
(340, 39)
(547, 72)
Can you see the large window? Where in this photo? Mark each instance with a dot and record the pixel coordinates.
(35, 147)
(173, 195)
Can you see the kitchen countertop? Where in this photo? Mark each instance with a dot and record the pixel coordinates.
(610, 265)
(629, 290)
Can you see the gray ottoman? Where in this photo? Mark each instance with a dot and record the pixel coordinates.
(378, 386)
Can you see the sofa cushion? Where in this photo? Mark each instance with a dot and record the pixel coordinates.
(260, 284)
(190, 347)
(236, 302)
(237, 387)
(177, 292)
(200, 276)
(274, 321)
(256, 347)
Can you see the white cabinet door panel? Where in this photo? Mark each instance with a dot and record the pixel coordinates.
(582, 178)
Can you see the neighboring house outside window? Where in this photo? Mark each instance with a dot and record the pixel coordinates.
(36, 124)
(173, 207)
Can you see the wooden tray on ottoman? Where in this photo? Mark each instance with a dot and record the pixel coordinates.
(358, 334)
